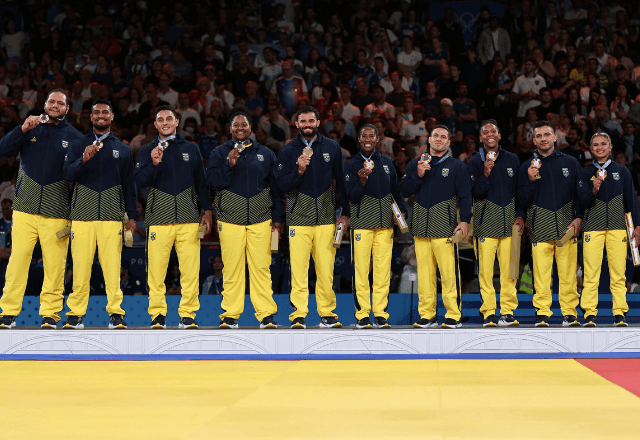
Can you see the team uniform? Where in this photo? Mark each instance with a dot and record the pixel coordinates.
(40, 209)
(247, 201)
(604, 226)
(311, 216)
(434, 219)
(372, 230)
(177, 191)
(495, 209)
(552, 204)
(103, 192)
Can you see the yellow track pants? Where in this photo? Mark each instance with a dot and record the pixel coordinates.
(316, 241)
(567, 261)
(364, 243)
(593, 244)
(439, 253)
(85, 235)
(160, 240)
(241, 244)
(26, 230)
(486, 249)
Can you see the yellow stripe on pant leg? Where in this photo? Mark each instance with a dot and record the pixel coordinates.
(427, 283)
(54, 262)
(83, 249)
(542, 253)
(508, 292)
(109, 238)
(382, 249)
(324, 257)
(259, 259)
(188, 250)
(159, 244)
(617, 256)
(300, 244)
(24, 235)
(362, 246)
(567, 262)
(233, 244)
(486, 258)
(592, 249)
(446, 258)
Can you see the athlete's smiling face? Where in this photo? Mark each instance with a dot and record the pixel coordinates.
(544, 139)
(601, 148)
(308, 124)
(56, 105)
(368, 140)
(240, 128)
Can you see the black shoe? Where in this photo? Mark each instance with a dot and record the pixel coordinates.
(228, 323)
(116, 322)
(7, 321)
(451, 323)
(73, 322)
(508, 321)
(268, 322)
(298, 323)
(329, 322)
(620, 321)
(188, 323)
(426, 323)
(49, 323)
(363, 323)
(542, 321)
(570, 321)
(381, 322)
(590, 321)
(159, 322)
(489, 321)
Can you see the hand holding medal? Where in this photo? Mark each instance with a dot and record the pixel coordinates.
(534, 169)
(44, 118)
(424, 164)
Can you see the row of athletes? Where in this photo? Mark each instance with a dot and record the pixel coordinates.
(84, 185)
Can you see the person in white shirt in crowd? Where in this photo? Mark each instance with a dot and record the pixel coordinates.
(527, 88)
(165, 92)
(408, 56)
(414, 129)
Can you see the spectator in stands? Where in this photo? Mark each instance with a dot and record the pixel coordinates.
(363, 98)
(213, 284)
(493, 41)
(448, 119)
(185, 111)
(275, 125)
(379, 106)
(288, 88)
(524, 135)
(409, 56)
(349, 111)
(152, 102)
(545, 104)
(575, 144)
(605, 124)
(385, 144)
(465, 110)
(415, 128)
(527, 87)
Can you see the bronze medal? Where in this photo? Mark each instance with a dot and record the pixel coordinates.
(368, 164)
(307, 151)
(602, 174)
(44, 118)
(426, 158)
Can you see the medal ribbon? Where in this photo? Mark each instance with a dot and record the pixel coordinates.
(446, 155)
(103, 137)
(601, 167)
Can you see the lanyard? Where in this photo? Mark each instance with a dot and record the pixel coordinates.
(367, 158)
(165, 140)
(309, 143)
(446, 155)
(601, 167)
(103, 137)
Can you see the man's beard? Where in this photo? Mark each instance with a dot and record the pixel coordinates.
(314, 130)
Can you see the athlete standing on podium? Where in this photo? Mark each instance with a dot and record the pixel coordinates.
(249, 206)
(171, 168)
(102, 168)
(612, 195)
(494, 181)
(372, 185)
(307, 168)
(40, 208)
